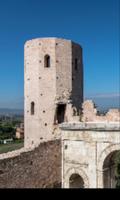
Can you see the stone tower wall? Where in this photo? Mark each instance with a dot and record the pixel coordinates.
(47, 87)
(63, 70)
(77, 76)
(40, 87)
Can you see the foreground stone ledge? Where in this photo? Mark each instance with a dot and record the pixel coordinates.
(14, 153)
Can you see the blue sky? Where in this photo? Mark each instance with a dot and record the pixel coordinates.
(92, 23)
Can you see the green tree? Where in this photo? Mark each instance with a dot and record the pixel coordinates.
(7, 130)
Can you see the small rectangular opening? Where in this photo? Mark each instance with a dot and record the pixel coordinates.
(60, 113)
(76, 64)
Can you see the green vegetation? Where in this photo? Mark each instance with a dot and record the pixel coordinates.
(8, 129)
(118, 169)
(17, 144)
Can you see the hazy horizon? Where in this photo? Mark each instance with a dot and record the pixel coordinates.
(101, 101)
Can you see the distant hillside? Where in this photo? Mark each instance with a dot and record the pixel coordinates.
(8, 111)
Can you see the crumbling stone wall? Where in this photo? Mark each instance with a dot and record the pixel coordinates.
(113, 115)
(39, 168)
(71, 114)
(90, 113)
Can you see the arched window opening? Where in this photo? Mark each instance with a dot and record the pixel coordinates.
(32, 108)
(47, 61)
(76, 181)
(110, 170)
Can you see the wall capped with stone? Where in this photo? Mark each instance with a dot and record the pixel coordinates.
(40, 168)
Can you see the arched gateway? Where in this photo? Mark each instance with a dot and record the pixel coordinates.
(88, 154)
(76, 178)
(106, 166)
(76, 181)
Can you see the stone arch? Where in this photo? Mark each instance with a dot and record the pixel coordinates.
(78, 171)
(104, 154)
(76, 181)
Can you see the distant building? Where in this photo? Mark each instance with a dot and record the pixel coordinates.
(20, 131)
(6, 141)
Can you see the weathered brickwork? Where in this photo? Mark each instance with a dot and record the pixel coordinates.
(40, 168)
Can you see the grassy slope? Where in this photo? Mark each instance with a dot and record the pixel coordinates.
(4, 148)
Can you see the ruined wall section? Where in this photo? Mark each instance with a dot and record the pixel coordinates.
(90, 113)
(39, 168)
(113, 115)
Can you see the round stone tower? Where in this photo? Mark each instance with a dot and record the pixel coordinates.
(53, 76)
